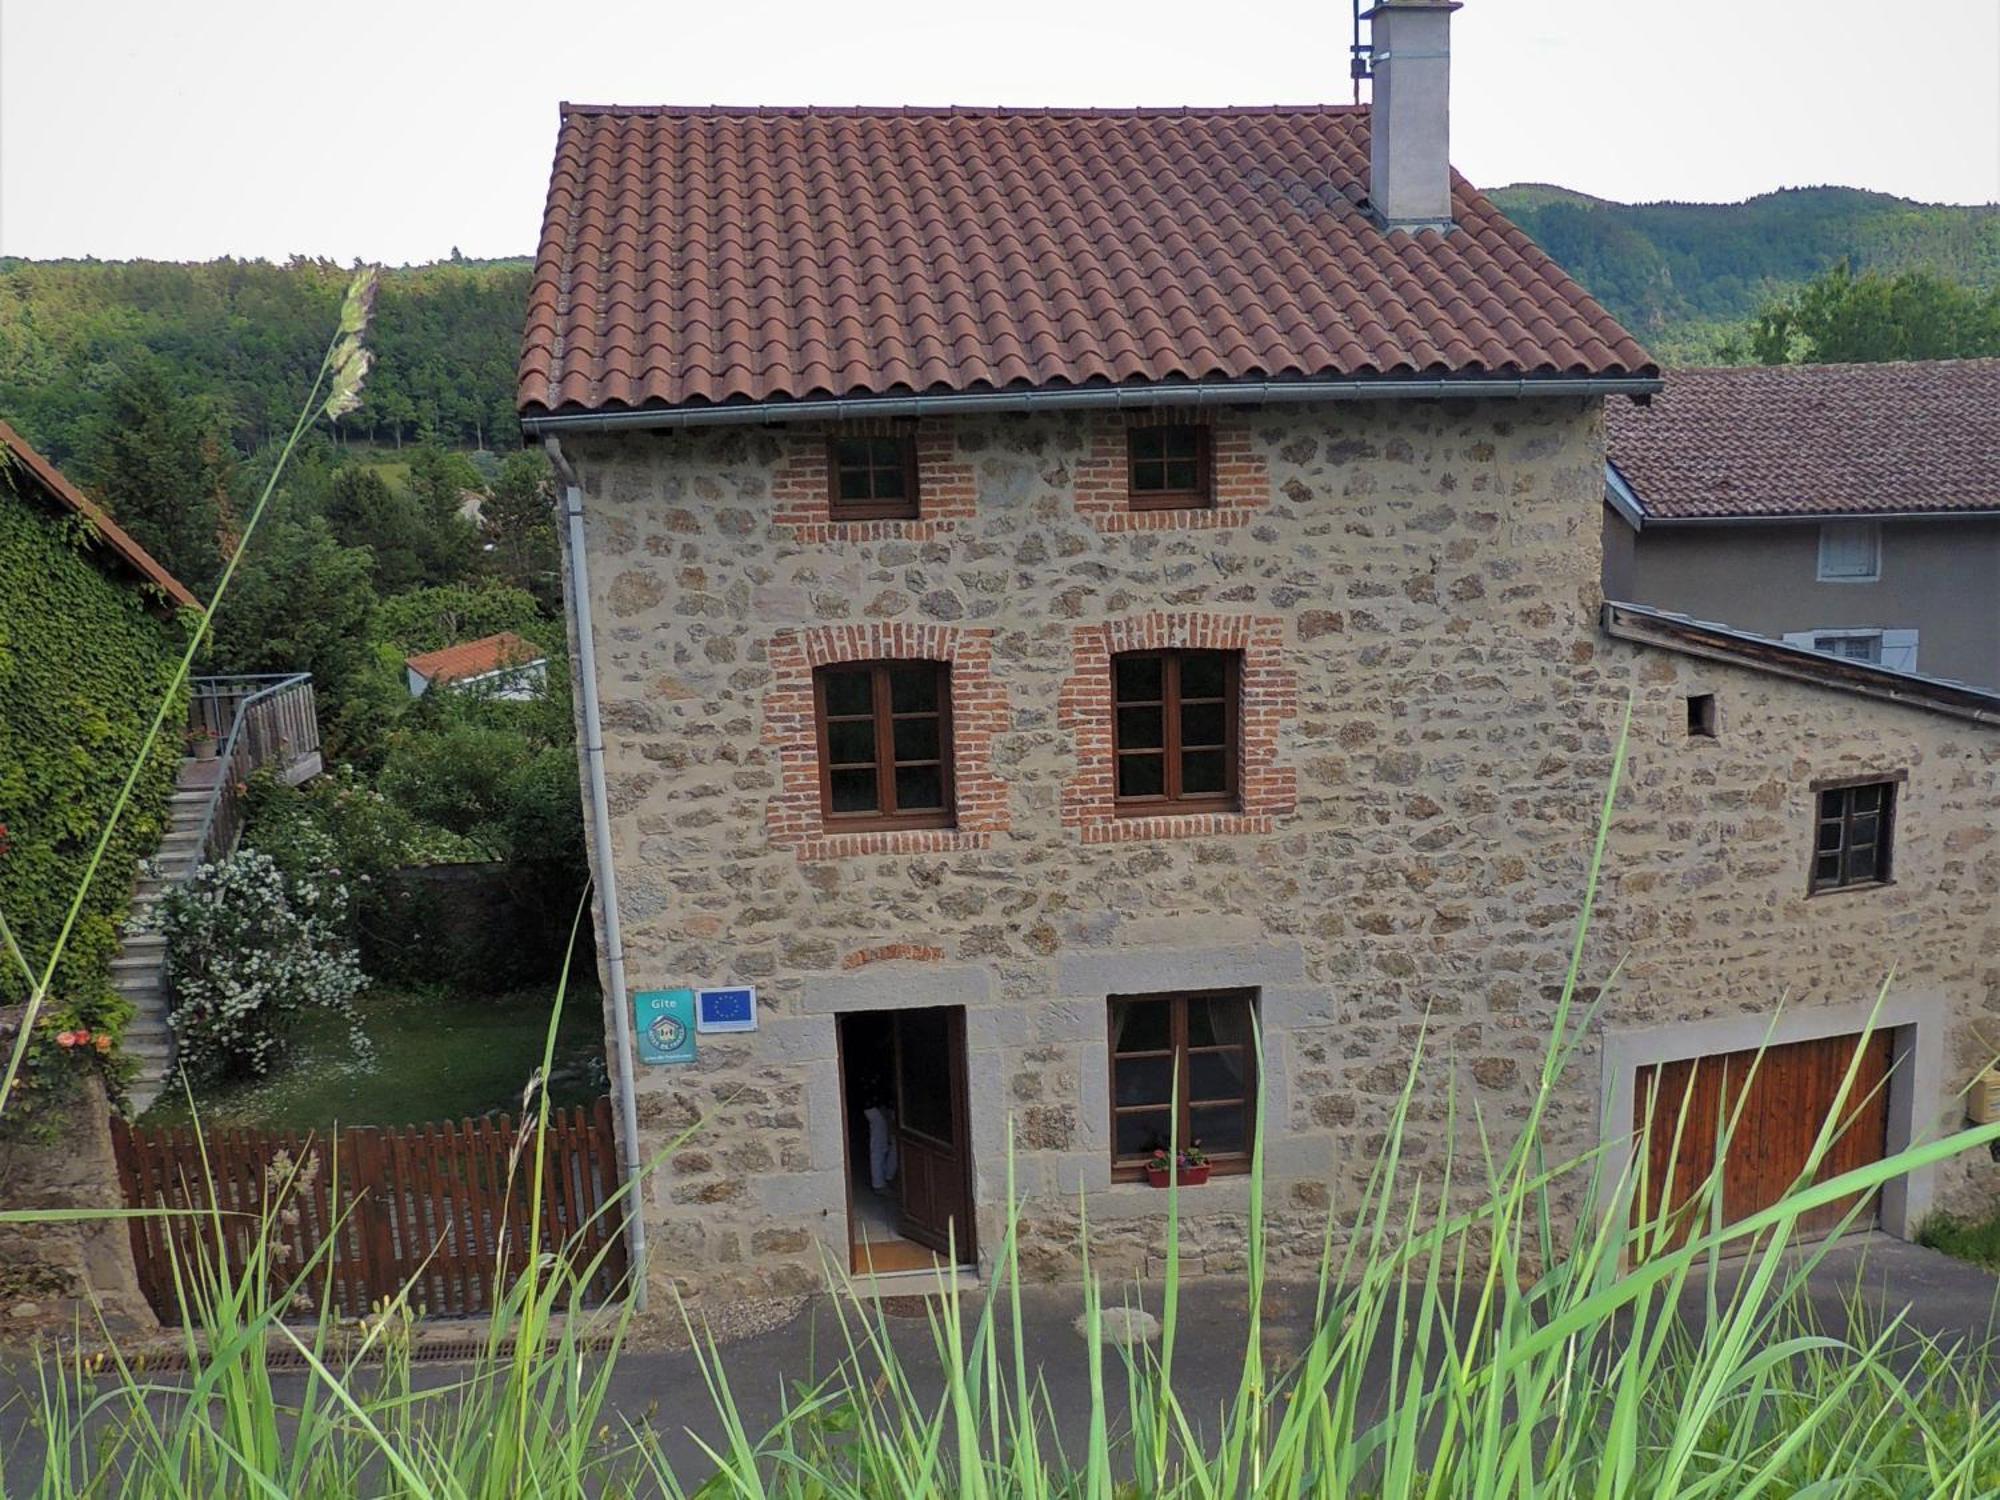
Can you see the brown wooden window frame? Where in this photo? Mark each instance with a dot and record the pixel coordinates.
(883, 715)
(1201, 496)
(874, 462)
(1833, 806)
(1133, 1168)
(1171, 703)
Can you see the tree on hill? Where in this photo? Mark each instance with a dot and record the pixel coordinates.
(365, 512)
(1841, 318)
(520, 526)
(161, 464)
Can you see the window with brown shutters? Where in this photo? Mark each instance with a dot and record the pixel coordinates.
(1186, 1064)
(884, 744)
(1169, 467)
(873, 478)
(1174, 729)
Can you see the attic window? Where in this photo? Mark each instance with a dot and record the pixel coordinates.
(1850, 552)
(1169, 468)
(1701, 716)
(874, 478)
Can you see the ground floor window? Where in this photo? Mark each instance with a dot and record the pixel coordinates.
(1182, 1066)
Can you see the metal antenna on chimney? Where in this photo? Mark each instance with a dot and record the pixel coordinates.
(1361, 55)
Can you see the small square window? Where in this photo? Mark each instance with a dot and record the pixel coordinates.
(1852, 843)
(1701, 718)
(1850, 552)
(1167, 467)
(873, 478)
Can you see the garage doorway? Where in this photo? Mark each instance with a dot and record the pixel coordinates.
(908, 1138)
(1785, 1098)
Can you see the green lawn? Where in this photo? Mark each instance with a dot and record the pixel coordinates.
(439, 1055)
(1976, 1240)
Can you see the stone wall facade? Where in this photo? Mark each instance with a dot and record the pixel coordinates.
(1432, 712)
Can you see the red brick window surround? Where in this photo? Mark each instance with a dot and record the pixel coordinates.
(1264, 694)
(1132, 452)
(800, 817)
(874, 480)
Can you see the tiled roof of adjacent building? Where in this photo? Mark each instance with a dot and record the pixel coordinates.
(112, 537)
(707, 256)
(1808, 440)
(490, 653)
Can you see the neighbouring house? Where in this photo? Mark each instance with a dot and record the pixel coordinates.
(502, 666)
(1849, 509)
(1050, 589)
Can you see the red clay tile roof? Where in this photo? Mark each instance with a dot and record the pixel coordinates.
(136, 559)
(697, 256)
(1800, 440)
(489, 653)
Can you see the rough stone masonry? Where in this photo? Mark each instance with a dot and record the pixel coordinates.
(1430, 716)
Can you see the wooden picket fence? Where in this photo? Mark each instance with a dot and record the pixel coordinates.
(442, 1209)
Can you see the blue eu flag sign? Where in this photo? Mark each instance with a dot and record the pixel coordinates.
(730, 1009)
(665, 1021)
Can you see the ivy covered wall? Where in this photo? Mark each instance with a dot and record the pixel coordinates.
(83, 662)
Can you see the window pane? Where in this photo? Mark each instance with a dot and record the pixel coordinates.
(1863, 829)
(1204, 674)
(853, 484)
(1180, 442)
(850, 741)
(1142, 1133)
(1145, 1080)
(1827, 867)
(1218, 1075)
(913, 689)
(919, 788)
(849, 693)
(853, 791)
(1867, 798)
(1202, 723)
(1204, 772)
(1142, 1025)
(1137, 678)
(1219, 1128)
(1141, 728)
(889, 482)
(1218, 1020)
(1146, 443)
(1149, 478)
(1142, 775)
(916, 739)
(1180, 475)
(1829, 835)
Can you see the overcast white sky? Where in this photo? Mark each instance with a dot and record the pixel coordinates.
(183, 129)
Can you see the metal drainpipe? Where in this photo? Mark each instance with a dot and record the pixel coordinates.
(603, 866)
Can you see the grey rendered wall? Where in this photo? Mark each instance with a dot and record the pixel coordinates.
(1939, 577)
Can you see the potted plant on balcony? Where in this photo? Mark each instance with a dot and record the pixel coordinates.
(202, 744)
(1191, 1166)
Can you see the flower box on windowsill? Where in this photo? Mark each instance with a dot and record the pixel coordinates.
(1190, 1176)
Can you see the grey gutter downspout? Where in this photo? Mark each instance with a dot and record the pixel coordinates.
(603, 866)
(1195, 394)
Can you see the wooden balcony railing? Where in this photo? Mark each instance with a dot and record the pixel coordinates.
(258, 722)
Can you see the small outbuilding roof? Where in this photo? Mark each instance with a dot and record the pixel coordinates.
(708, 257)
(490, 653)
(1914, 438)
(114, 540)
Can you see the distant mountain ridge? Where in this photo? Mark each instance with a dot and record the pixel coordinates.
(1680, 274)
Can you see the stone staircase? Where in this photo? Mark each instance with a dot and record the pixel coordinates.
(138, 973)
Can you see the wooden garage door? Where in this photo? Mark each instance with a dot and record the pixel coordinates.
(1790, 1095)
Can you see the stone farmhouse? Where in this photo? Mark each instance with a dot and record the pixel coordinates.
(1852, 509)
(1049, 587)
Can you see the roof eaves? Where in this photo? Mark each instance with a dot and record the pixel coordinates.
(1646, 626)
(1622, 498)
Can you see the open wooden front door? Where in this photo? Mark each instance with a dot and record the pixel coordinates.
(933, 1137)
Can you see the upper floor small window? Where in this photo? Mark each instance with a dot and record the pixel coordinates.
(1856, 823)
(1850, 552)
(874, 478)
(1174, 729)
(1168, 467)
(885, 743)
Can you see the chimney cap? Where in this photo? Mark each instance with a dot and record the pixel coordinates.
(1382, 5)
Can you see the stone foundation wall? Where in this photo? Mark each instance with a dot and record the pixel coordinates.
(1426, 576)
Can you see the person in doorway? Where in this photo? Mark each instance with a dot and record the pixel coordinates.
(881, 1135)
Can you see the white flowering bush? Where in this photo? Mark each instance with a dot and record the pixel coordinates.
(250, 947)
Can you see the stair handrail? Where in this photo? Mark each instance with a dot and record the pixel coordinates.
(224, 790)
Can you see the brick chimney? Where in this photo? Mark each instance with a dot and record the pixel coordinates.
(1409, 160)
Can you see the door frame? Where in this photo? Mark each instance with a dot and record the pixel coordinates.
(1915, 1022)
(960, 1066)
